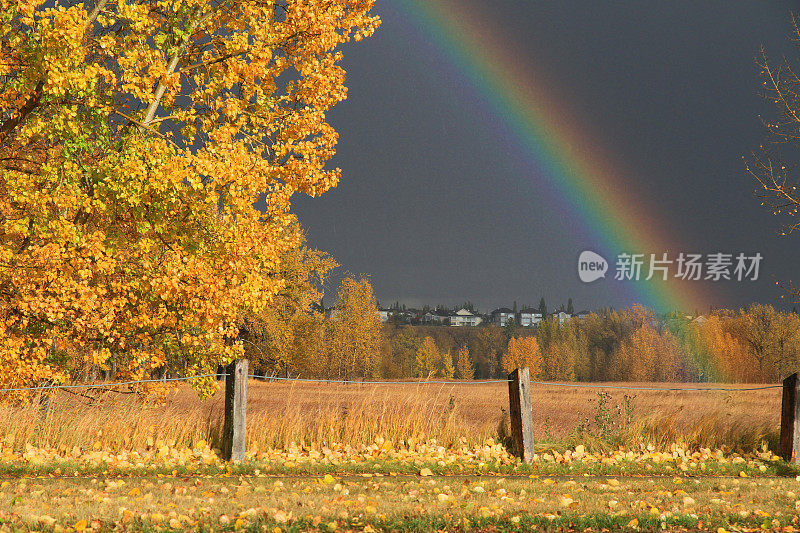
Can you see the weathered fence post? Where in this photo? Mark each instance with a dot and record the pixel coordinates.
(235, 424)
(521, 413)
(790, 419)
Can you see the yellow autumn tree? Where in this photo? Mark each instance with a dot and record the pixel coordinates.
(447, 369)
(149, 151)
(560, 346)
(729, 357)
(278, 338)
(464, 368)
(522, 352)
(427, 358)
(355, 338)
(647, 355)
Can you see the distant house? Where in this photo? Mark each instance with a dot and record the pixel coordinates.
(435, 317)
(561, 316)
(581, 314)
(502, 316)
(412, 316)
(529, 317)
(385, 314)
(700, 320)
(464, 317)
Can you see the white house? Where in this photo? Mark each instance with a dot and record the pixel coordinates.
(385, 314)
(529, 317)
(464, 317)
(561, 316)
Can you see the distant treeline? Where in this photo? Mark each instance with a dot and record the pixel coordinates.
(757, 344)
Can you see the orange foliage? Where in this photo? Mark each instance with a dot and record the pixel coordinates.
(136, 139)
(464, 368)
(648, 355)
(522, 352)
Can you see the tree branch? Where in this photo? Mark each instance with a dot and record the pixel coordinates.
(173, 64)
(14, 121)
(93, 15)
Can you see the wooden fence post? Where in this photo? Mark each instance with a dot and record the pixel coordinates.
(790, 419)
(235, 424)
(521, 413)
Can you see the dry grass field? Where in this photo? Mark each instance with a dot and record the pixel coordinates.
(280, 413)
(408, 457)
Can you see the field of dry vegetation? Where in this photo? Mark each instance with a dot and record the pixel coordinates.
(314, 414)
(410, 457)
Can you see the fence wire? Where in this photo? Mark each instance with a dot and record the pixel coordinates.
(359, 382)
(424, 382)
(548, 383)
(631, 387)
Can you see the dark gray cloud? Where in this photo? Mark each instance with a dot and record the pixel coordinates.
(437, 207)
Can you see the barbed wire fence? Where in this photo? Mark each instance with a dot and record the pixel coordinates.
(519, 389)
(598, 385)
(407, 382)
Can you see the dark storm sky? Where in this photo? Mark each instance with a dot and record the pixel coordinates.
(434, 207)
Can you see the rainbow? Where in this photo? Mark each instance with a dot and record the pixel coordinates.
(568, 159)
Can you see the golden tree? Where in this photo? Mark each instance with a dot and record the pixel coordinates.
(648, 355)
(464, 368)
(355, 339)
(560, 346)
(522, 352)
(728, 356)
(447, 369)
(558, 361)
(401, 350)
(278, 337)
(137, 138)
(427, 359)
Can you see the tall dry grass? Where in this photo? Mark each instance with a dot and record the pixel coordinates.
(323, 414)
